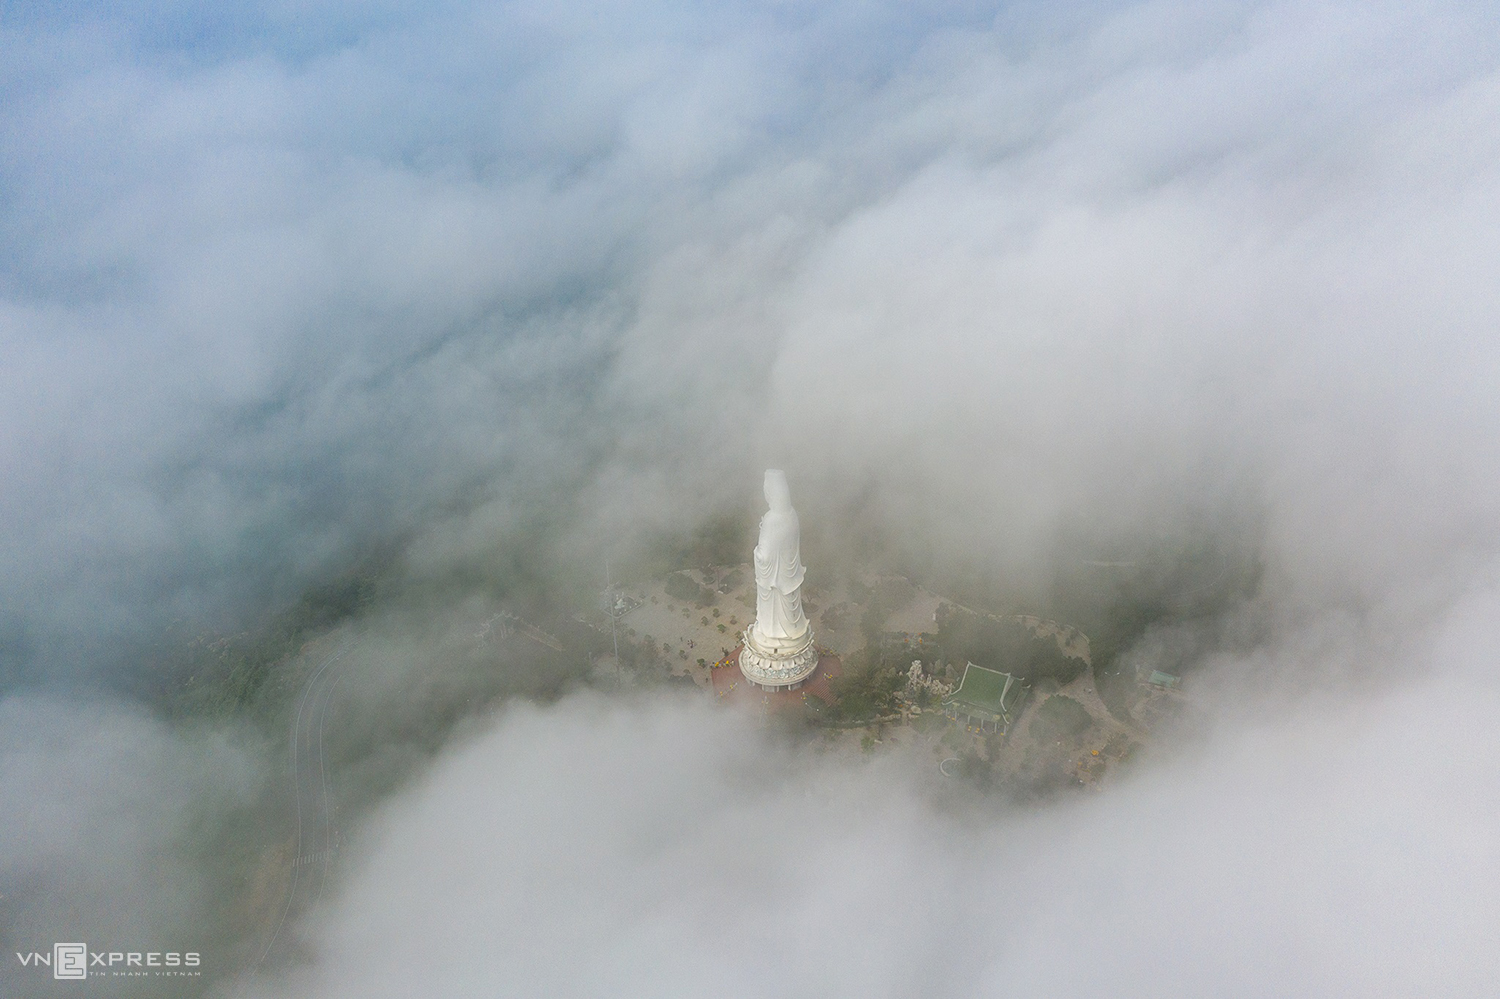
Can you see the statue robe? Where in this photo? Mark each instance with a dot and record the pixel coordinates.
(778, 576)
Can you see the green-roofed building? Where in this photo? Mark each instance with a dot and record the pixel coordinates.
(986, 699)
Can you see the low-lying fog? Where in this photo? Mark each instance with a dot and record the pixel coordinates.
(334, 331)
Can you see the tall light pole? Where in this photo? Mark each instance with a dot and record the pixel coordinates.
(613, 604)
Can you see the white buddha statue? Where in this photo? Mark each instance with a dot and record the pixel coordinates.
(778, 649)
(778, 567)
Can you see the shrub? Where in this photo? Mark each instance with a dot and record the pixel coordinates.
(682, 586)
(1004, 645)
(867, 687)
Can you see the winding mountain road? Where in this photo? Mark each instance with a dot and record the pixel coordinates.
(316, 836)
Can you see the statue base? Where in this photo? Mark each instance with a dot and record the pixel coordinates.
(773, 663)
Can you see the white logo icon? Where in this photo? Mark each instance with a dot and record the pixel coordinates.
(70, 960)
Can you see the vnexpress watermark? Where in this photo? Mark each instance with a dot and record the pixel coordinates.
(76, 961)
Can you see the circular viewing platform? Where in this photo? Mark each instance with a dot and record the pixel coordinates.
(730, 684)
(773, 665)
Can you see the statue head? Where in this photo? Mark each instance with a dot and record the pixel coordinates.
(778, 493)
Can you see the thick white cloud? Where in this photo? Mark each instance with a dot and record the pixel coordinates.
(265, 305)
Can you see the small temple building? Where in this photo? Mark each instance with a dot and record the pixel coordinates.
(985, 699)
